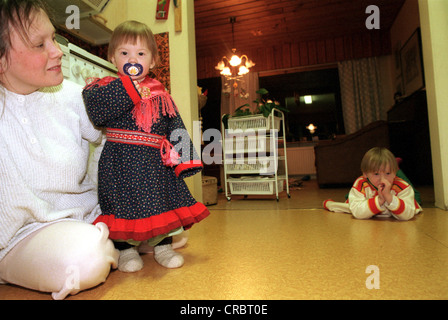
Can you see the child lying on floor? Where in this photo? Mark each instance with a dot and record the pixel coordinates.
(379, 192)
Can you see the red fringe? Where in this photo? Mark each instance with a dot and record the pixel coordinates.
(147, 228)
(146, 113)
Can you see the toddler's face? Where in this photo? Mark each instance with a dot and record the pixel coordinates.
(377, 178)
(138, 53)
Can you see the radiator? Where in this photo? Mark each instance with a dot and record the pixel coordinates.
(301, 160)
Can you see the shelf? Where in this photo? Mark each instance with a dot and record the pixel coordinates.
(252, 156)
(247, 144)
(254, 165)
(256, 122)
(256, 179)
(256, 186)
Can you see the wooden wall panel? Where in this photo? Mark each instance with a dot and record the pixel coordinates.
(305, 53)
(321, 52)
(295, 54)
(330, 52)
(312, 53)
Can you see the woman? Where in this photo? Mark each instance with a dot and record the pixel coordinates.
(47, 200)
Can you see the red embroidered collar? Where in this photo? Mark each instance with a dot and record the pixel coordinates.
(155, 101)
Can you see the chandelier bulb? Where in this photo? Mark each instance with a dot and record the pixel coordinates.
(220, 65)
(235, 61)
(226, 72)
(243, 70)
(235, 67)
(249, 64)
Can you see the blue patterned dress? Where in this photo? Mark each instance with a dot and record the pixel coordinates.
(140, 196)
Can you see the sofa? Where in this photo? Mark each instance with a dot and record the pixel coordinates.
(338, 161)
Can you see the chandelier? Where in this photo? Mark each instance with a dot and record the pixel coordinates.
(235, 67)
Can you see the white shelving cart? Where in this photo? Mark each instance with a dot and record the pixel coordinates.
(252, 164)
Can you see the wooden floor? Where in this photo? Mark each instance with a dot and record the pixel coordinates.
(260, 249)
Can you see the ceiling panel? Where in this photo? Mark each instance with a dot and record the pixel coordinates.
(262, 22)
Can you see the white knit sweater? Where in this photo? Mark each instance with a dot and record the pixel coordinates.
(44, 149)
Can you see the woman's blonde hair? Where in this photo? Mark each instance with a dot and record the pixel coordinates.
(378, 158)
(130, 32)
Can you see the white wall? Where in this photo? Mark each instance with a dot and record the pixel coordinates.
(430, 16)
(434, 27)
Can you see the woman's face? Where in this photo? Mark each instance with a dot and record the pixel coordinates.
(35, 64)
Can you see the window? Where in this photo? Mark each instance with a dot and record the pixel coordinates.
(324, 111)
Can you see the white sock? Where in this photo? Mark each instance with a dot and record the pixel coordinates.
(167, 257)
(179, 241)
(130, 260)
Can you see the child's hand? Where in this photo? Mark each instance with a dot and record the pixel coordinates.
(384, 191)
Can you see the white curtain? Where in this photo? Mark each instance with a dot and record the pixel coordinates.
(361, 93)
(235, 95)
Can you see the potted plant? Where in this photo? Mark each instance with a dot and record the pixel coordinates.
(264, 107)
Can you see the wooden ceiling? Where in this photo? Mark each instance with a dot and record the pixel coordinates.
(261, 22)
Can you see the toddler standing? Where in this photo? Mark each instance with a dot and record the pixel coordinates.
(142, 194)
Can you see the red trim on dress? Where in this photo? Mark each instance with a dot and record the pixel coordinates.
(188, 165)
(147, 228)
(130, 89)
(152, 99)
(134, 137)
(169, 155)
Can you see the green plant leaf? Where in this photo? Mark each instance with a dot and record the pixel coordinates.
(240, 107)
(225, 120)
(262, 91)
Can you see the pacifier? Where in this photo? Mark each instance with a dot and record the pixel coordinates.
(133, 69)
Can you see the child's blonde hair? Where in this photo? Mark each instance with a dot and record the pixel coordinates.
(378, 158)
(130, 32)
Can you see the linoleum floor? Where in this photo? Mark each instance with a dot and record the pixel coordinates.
(258, 249)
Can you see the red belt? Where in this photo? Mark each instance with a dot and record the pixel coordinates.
(134, 137)
(169, 155)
